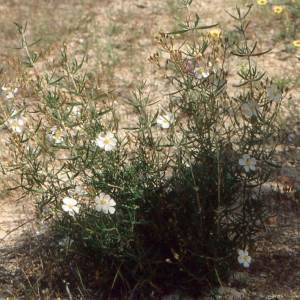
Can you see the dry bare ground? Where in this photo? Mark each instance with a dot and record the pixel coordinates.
(117, 38)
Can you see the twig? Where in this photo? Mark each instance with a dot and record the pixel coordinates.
(67, 289)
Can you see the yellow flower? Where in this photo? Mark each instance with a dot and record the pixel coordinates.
(262, 2)
(215, 33)
(296, 43)
(277, 9)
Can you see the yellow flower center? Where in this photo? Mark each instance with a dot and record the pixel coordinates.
(102, 201)
(277, 9)
(245, 257)
(8, 89)
(215, 33)
(57, 134)
(70, 206)
(296, 43)
(252, 107)
(106, 141)
(248, 164)
(15, 124)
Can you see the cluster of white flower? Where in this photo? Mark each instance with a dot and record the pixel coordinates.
(103, 203)
(252, 108)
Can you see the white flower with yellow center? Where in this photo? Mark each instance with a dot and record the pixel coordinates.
(201, 72)
(75, 113)
(65, 243)
(70, 206)
(165, 121)
(79, 130)
(274, 94)
(16, 125)
(244, 258)
(105, 203)
(247, 162)
(57, 135)
(251, 108)
(9, 91)
(106, 141)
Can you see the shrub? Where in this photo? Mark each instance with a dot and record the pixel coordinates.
(167, 202)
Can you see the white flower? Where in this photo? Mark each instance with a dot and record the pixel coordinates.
(274, 94)
(57, 135)
(165, 121)
(78, 130)
(247, 162)
(9, 91)
(244, 258)
(16, 125)
(219, 84)
(65, 243)
(201, 72)
(70, 206)
(40, 228)
(106, 141)
(77, 192)
(251, 108)
(105, 203)
(74, 113)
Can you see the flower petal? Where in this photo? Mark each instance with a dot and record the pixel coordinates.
(242, 162)
(112, 202)
(65, 207)
(246, 156)
(76, 209)
(108, 147)
(111, 210)
(98, 207)
(106, 198)
(246, 264)
(105, 208)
